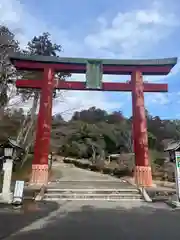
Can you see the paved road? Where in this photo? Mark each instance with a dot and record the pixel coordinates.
(68, 176)
(14, 220)
(87, 220)
(105, 220)
(68, 172)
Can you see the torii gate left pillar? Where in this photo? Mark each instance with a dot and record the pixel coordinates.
(43, 132)
(136, 68)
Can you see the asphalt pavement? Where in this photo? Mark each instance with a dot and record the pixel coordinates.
(87, 220)
(12, 220)
(106, 220)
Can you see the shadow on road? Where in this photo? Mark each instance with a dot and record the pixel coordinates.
(14, 220)
(89, 223)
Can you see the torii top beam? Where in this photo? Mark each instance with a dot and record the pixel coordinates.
(78, 65)
(110, 66)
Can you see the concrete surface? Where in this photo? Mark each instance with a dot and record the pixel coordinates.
(105, 220)
(90, 185)
(14, 220)
(68, 176)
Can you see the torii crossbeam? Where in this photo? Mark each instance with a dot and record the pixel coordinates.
(136, 68)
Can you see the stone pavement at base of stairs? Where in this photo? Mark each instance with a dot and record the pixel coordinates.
(90, 185)
(68, 176)
(12, 220)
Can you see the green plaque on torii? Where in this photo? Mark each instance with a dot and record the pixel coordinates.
(94, 73)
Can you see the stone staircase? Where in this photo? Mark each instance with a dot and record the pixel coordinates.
(121, 194)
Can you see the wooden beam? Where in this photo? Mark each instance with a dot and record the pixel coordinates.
(155, 87)
(107, 69)
(28, 83)
(107, 86)
(104, 61)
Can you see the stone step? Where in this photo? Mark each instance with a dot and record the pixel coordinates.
(102, 184)
(90, 190)
(92, 194)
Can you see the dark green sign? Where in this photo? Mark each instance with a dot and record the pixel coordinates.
(94, 73)
(178, 164)
(177, 160)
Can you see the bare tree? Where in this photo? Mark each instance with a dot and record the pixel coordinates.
(8, 45)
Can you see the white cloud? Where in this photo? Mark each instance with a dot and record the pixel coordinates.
(157, 98)
(9, 14)
(132, 33)
(129, 34)
(84, 100)
(25, 25)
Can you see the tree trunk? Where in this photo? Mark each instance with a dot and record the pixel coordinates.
(1, 113)
(28, 138)
(25, 157)
(28, 123)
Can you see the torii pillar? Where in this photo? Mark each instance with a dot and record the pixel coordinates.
(142, 171)
(42, 143)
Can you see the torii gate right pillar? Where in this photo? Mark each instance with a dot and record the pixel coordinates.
(143, 175)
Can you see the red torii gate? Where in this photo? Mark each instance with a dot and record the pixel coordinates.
(136, 68)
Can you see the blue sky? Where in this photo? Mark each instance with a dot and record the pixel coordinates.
(108, 29)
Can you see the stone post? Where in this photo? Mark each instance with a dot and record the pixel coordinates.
(6, 190)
